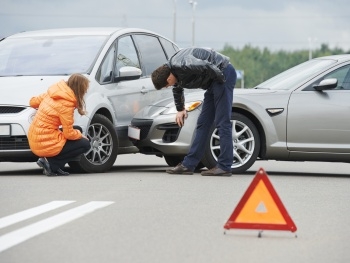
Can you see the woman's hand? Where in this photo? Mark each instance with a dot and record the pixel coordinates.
(180, 117)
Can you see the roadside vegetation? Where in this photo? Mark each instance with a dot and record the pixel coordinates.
(261, 64)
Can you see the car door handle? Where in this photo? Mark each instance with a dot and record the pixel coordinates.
(144, 90)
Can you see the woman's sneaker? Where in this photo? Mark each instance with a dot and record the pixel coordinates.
(61, 172)
(43, 163)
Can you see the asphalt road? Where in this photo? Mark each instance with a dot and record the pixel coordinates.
(138, 213)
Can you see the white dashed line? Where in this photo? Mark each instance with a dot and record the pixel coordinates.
(18, 236)
(29, 213)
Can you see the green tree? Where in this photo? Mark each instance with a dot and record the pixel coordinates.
(261, 64)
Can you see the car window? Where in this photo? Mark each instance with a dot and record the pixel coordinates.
(104, 74)
(126, 54)
(341, 74)
(343, 77)
(151, 51)
(170, 49)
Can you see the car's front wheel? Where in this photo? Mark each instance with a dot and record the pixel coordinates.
(173, 160)
(246, 144)
(104, 147)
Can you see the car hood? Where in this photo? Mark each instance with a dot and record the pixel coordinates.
(192, 95)
(252, 94)
(19, 90)
(240, 96)
(252, 91)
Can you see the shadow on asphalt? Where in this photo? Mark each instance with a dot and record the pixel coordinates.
(114, 169)
(302, 174)
(161, 169)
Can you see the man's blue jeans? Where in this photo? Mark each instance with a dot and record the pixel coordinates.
(217, 107)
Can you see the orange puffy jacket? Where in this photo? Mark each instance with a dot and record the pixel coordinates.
(55, 109)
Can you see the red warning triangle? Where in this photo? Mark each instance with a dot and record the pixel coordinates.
(260, 208)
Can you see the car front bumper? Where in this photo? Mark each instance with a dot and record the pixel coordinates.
(162, 136)
(14, 146)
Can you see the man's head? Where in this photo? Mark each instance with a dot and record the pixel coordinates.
(163, 78)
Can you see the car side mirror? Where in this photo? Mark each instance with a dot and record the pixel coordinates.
(129, 73)
(326, 84)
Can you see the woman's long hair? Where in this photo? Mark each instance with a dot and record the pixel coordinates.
(79, 84)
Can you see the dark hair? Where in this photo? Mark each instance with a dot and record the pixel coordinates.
(79, 84)
(160, 76)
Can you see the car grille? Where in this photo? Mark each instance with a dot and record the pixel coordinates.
(14, 143)
(10, 109)
(143, 125)
(171, 132)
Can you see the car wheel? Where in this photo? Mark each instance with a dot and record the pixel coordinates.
(173, 160)
(104, 147)
(246, 144)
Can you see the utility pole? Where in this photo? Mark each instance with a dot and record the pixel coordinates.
(311, 40)
(193, 3)
(174, 22)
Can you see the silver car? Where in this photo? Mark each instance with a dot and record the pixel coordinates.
(118, 63)
(298, 115)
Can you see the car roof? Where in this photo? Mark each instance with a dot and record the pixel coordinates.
(82, 31)
(339, 58)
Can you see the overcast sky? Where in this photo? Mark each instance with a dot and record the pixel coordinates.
(275, 24)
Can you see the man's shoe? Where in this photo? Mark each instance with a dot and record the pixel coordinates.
(216, 171)
(179, 169)
(61, 172)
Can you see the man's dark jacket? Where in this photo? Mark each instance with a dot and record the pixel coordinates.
(195, 68)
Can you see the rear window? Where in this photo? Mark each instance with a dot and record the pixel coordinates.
(151, 52)
(170, 49)
(49, 55)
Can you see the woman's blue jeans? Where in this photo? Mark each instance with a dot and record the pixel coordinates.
(217, 107)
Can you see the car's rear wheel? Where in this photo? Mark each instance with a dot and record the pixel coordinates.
(246, 144)
(104, 147)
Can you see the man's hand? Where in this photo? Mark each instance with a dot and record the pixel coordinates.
(180, 117)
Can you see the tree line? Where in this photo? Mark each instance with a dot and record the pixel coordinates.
(261, 64)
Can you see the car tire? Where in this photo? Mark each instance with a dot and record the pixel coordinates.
(104, 147)
(246, 145)
(173, 160)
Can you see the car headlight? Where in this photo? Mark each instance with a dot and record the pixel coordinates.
(189, 106)
(31, 117)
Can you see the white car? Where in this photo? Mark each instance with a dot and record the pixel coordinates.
(118, 63)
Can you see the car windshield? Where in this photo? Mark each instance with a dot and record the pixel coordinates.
(48, 55)
(296, 76)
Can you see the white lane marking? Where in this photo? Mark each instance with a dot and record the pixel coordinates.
(18, 236)
(29, 213)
